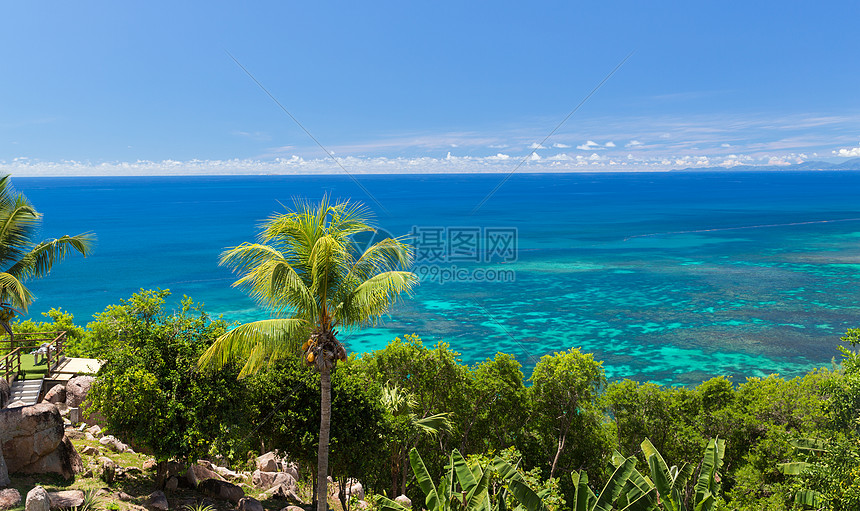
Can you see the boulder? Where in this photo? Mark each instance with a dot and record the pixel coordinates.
(16, 404)
(37, 500)
(5, 392)
(249, 504)
(218, 489)
(4, 471)
(158, 501)
(9, 498)
(77, 389)
(293, 508)
(107, 470)
(171, 484)
(57, 394)
(291, 469)
(112, 443)
(95, 430)
(65, 499)
(89, 450)
(404, 501)
(197, 473)
(33, 441)
(266, 480)
(285, 492)
(355, 489)
(227, 474)
(150, 464)
(268, 462)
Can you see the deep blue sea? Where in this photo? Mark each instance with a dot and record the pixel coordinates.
(667, 277)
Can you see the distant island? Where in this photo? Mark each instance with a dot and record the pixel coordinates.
(852, 164)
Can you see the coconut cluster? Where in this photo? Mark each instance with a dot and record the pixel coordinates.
(323, 350)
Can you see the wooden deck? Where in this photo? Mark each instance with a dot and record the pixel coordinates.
(69, 367)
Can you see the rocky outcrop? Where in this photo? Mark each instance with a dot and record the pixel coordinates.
(32, 441)
(4, 471)
(9, 498)
(113, 444)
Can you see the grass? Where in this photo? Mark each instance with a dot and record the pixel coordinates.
(34, 371)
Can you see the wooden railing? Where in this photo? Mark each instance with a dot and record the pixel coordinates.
(54, 343)
(10, 365)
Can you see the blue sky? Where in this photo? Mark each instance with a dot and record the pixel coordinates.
(116, 88)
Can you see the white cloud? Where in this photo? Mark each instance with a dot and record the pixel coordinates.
(610, 144)
(535, 145)
(499, 156)
(725, 145)
(588, 146)
(534, 157)
(559, 145)
(851, 152)
(633, 143)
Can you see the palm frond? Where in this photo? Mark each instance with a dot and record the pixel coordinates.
(18, 224)
(39, 261)
(373, 297)
(385, 255)
(13, 291)
(258, 344)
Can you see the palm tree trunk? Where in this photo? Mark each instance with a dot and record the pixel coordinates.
(325, 425)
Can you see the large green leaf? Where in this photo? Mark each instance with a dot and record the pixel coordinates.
(659, 470)
(517, 485)
(433, 500)
(584, 498)
(706, 486)
(613, 487)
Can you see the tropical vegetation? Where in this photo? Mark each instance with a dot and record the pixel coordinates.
(310, 271)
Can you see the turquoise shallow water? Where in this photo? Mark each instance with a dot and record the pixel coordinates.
(666, 277)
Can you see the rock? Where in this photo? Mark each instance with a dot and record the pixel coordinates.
(249, 504)
(218, 489)
(57, 394)
(150, 464)
(123, 496)
(37, 500)
(4, 471)
(9, 498)
(197, 473)
(77, 389)
(65, 499)
(293, 508)
(16, 404)
(284, 492)
(95, 430)
(89, 450)
(268, 462)
(158, 501)
(171, 484)
(5, 392)
(107, 470)
(89, 436)
(404, 501)
(113, 444)
(34, 442)
(355, 490)
(227, 474)
(362, 504)
(291, 469)
(266, 480)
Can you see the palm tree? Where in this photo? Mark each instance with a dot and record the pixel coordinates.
(308, 270)
(21, 258)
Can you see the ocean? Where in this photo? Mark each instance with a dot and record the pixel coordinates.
(667, 277)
